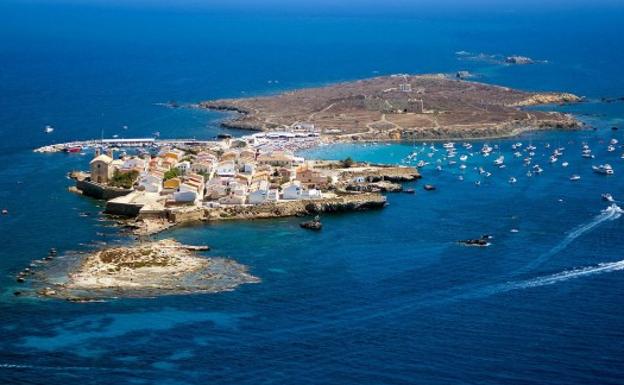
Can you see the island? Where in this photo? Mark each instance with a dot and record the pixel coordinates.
(151, 185)
(400, 107)
(146, 269)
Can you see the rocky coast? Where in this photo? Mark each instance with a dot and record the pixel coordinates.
(145, 269)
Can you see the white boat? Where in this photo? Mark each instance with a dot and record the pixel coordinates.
(611, 148)
(500, 160)
(531, 153)
(462, 166)
(564, 164)
(48, 129)
(421, 164)
(512, 180)
(449, 145)
(575, 177)
(463, 158)
(531, 147)
(604, 169)
(614, 141)
(517, 154)
(485, 150)
(553, 159)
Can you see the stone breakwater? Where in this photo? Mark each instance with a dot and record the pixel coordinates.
(147, 269)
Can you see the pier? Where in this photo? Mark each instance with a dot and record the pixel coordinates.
(77, 146)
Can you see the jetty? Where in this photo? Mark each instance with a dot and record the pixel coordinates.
(121, 143)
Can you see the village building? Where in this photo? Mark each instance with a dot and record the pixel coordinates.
(101, 169)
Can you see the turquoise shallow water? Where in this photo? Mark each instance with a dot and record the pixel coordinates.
(384, 296)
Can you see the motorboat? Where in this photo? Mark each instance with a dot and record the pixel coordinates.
(614, 141)
(611, 148)
(575, 177)
(553, 159)
(463, 158)
(48, 129)
(512, 180)
(449, 145)
(604, 169)
(421, 164)
(500, 160)
(564, 164)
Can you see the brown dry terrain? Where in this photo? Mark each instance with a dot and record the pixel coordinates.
(401, 107)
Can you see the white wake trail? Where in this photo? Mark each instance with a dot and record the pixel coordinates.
(612, 213)
(566, 275)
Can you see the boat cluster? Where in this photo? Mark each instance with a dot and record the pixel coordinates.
(449, 156)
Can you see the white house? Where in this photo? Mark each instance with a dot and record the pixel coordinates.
(226, 169)
(203, 167)
(292, 190)
(186, 193)
(134, 163)
(311, 194)
(184, 166)
(263, 196)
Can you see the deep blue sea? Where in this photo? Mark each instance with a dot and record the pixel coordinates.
(379, 297)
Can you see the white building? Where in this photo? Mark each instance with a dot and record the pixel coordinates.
(184, 166)
(226, 169)
(311, 194)
(292, 190)
(263, 196)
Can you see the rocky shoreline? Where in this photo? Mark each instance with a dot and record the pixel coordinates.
(146, 269)
(149, 225)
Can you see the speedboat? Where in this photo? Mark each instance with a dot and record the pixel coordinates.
(607, 197)
(553, 159)
(614, 141)
(564, 164)
(500, 160)
(575, 177)
(485, 150)
(512, 180)
(421, 164)
(48, 129)
(604, 169)
(463, 158)
(449, 145)
(517, 154)
(611, 148)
